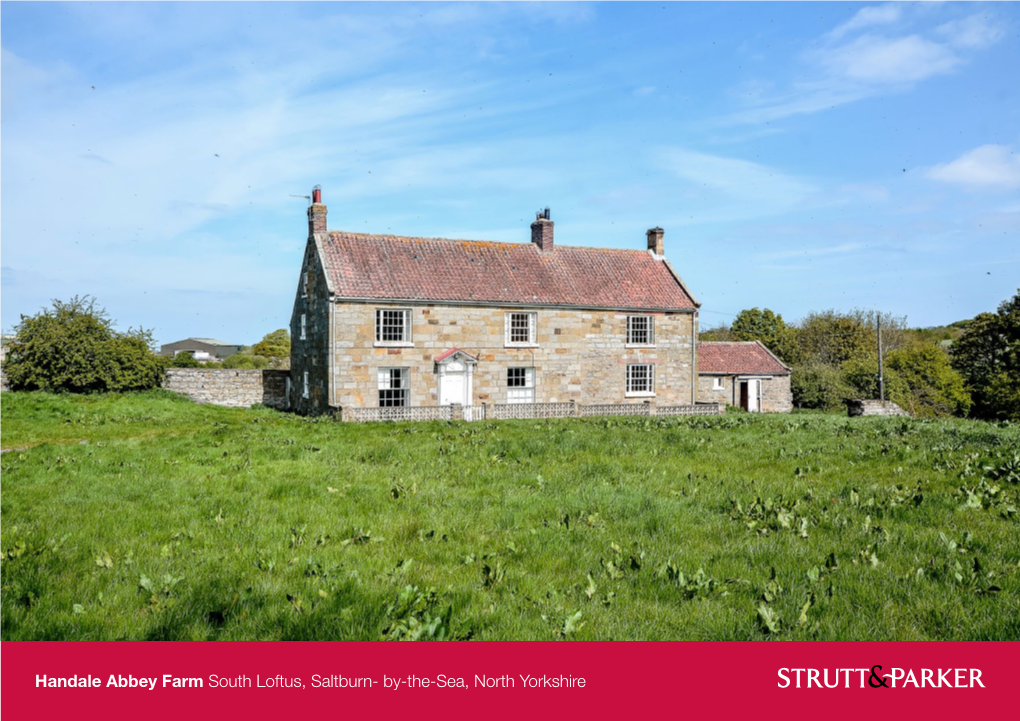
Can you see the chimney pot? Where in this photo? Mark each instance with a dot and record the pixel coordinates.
(542, 231)
(655, 241)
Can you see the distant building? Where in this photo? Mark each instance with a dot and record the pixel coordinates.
(202, 349)
(745, 374)
(5, 342)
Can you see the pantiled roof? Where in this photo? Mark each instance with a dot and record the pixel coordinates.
(398, 268)
(738, 358)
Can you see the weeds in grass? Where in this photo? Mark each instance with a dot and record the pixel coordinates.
(251, 524)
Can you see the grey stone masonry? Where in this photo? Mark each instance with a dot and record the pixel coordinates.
(776, 396)
(230, 387)
(861, 407)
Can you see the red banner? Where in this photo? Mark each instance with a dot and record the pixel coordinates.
(505, 680)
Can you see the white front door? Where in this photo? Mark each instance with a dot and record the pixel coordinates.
(452, 386)
(754, 395)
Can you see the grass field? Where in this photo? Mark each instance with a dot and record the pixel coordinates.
(145, 516)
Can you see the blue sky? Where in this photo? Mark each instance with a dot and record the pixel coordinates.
(800, 156)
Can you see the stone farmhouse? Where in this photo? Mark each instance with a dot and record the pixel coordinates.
(745, 374)
(388, 322)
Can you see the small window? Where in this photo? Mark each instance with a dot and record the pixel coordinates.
(305, 279)
(640, 330)
(304, 327)
(520, 329)
(641, 379)
(717, 384)
(394, 389)
(392, 326)
(520, 385)
(304, 389)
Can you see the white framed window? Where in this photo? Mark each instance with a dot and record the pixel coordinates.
(520, 385)
(393, 326)
(640, 379)
(640, 330)
(520, 329)
(717, 384)
(304, 387)
(304, 327)
(394, 387)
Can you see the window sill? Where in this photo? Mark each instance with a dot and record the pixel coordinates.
(520, 345)
(393, 344)
(642, 394)
(639, 345)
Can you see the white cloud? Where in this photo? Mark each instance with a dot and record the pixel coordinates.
(868, 17)
(974, 31)
(985, 166)
(734, 186)
(872, 59)
(868, 55)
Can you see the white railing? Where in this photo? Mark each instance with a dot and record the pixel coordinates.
(525, 411)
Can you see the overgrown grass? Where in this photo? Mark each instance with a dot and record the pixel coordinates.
(144, 516)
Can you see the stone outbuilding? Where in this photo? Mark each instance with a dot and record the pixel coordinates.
(744, 374)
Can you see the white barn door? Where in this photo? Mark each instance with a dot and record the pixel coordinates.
(754, 395)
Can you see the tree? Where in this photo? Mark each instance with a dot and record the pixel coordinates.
(834, 338)
(767, 327)
(275, 347)
(987, 355)
(720, 332)
(74, 347)
(819, 385)
(935, 388)
(919, 378)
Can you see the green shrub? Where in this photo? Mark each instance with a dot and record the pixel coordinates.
(74, 347)
(183, 360)
(819, 385)
(245, 359)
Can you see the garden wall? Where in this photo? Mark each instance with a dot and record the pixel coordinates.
(230, 387)
(862, 407)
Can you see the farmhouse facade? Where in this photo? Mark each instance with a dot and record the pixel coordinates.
(744, 374)
(383, 321)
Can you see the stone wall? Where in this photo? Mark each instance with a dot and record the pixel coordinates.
(309, 351)
(580, 355)
(230, 387)
(776, 395)
(862, 407)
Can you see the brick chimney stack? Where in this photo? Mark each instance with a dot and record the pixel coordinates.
(316, 213)
(655, 242)
(542, 231)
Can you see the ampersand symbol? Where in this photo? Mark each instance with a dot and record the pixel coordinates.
(875, 677)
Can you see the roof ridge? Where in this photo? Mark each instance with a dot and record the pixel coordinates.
(515, 244)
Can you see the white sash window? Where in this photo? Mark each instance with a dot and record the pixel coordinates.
(520, 385)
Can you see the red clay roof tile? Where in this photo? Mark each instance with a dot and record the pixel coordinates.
(388, 267)
(738, 358)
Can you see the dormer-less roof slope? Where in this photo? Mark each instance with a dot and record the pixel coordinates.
(386, 267)
(211, 341)
(738, 358)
